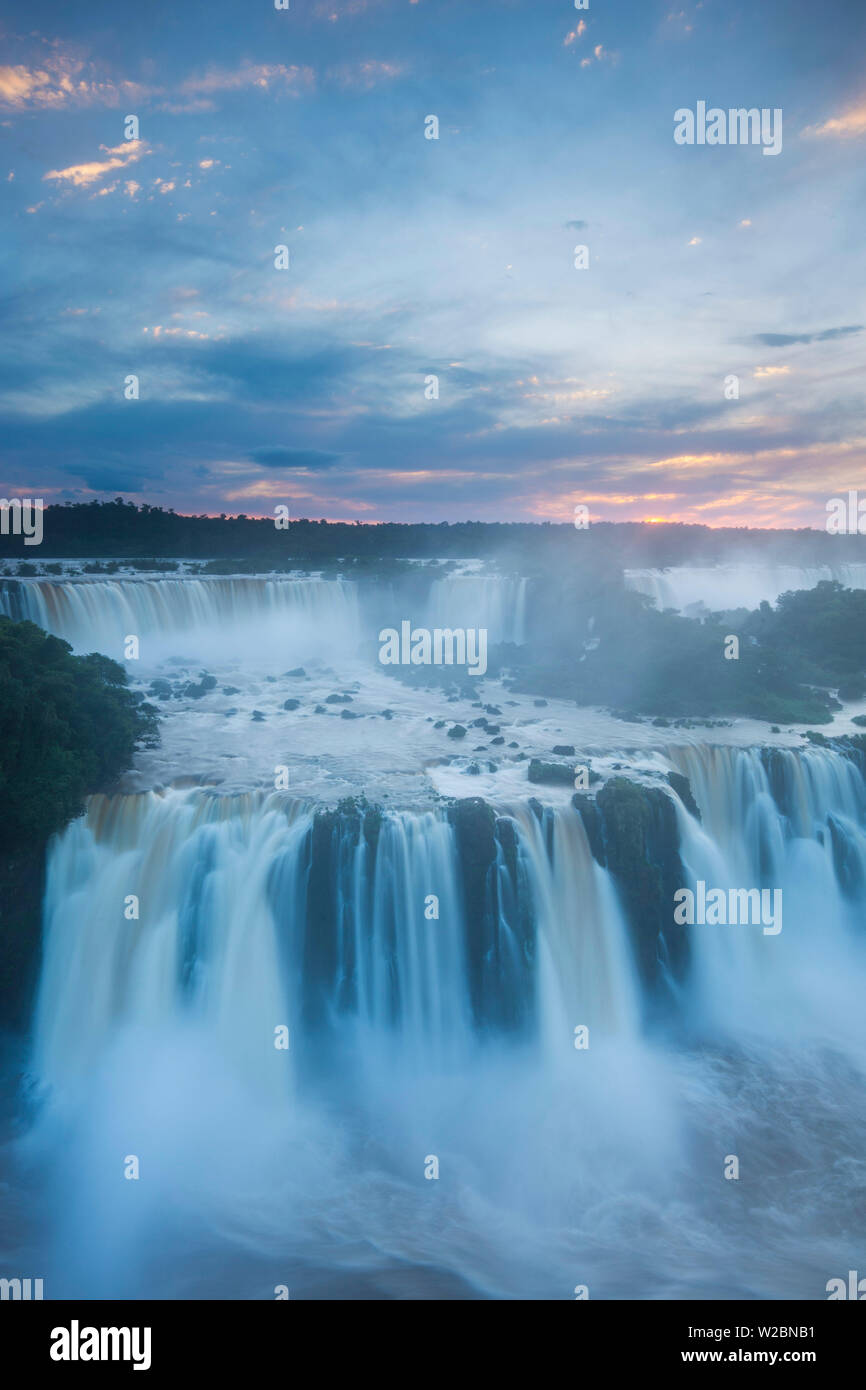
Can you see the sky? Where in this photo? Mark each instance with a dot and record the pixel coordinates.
(606, 385)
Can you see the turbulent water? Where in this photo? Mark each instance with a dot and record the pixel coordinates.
(434, 1011)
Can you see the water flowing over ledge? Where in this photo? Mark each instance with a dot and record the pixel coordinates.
(413, 1034)
(261, 905)
(437, 955)
(690, 588)
(98, 612)
(255, 911)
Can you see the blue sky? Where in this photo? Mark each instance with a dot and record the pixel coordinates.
(453, 257)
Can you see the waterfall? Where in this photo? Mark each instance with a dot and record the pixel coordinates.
(252, 912)
(491, 601)
(431, 968)
(254, 612)
(585, 974)
(736, 585)
(98, 614)
(155, 1034)
(201, 946)
(796, 822)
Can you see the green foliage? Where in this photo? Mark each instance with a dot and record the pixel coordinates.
(614, 648)
(825, 626)
(68, 727)
(120, 528)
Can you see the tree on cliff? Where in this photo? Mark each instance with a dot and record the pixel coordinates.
(68, 727)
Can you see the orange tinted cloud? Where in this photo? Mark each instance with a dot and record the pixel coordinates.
(852, 122)
(80, 175)
(65, 81)
(59, 81)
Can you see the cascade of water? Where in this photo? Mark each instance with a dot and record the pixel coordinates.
(156, 909)
(585, 975)
(491, 601)
(155, 1037)
(737, 585)
(793, 822)
(99, 613)
(246, 916)
(397, 958)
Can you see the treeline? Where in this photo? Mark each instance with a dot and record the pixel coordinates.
(69, 726)
(124, 530)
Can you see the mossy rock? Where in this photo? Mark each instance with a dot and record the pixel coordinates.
(551, 774)
(683, 789)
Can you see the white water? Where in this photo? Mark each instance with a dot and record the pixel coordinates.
(495, 602)
(557, 1166)
(221, 936)
(155, 1036)
(809, 978)
(97, 614)
(717, 587)
(253, 615)
(450, 1036)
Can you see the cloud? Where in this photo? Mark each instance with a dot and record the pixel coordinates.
(574, 34)
(62, 80)
(263, 75)
(365, 75)
(825, 336)
(601, 55)
(114, 478)
(279, 457)
(158, 330)
(19, 86)
(80, 175)
(576, 225)
(851, 122)
(58, 81)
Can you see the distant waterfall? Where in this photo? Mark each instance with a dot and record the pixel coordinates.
(97, 614)
(736, 585)
(492, 601)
